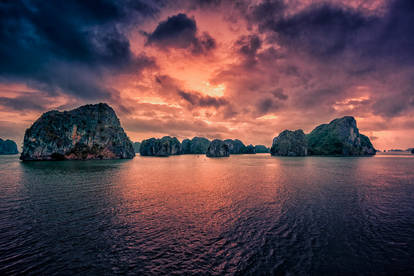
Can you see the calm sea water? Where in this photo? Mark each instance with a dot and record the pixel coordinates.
(248, 214)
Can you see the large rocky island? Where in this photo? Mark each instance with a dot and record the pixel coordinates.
(8, 147)
(340, 137)
(87, 132)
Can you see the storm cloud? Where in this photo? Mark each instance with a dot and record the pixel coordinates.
(67, 46)
(180, 32)
(242, 69)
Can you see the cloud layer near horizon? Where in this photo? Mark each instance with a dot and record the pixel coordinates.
(220, 69)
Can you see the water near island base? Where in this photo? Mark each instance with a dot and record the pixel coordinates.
(247, 214)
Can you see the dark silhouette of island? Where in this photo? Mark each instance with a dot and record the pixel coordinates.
(87, 132)
(8, 147)
(235, 146)
(412, 151)
(218, 148)
(250, 149)
(197, 145)
(290, 143)
(165, 146)
(137, 146)
(261, 149)
(340, 137)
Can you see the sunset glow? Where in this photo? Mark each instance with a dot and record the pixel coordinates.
(219, 69)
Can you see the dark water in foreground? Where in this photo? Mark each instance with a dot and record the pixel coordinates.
(193, 215)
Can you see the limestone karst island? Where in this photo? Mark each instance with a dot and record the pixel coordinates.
(88, 132)
(95, 132)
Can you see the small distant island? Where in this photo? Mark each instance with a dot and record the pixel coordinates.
(8, 147)
(137, 146)
(95, 132)
(167, 146)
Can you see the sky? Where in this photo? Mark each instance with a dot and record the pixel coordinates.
(214, 68)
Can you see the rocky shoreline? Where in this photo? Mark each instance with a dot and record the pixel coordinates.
(95, 132)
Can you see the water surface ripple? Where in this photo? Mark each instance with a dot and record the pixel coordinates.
(248, 214)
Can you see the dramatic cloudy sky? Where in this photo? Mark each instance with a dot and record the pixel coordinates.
(220, 69)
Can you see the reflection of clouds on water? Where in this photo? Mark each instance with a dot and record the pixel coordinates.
(246, 213)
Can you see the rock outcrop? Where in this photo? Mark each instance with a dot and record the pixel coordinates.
(412, 151)
(235, 146)
(88, 132)
(339, 137)
(261, 149)
(8, 147)
(250, 149)
(197, 145)
(290, 143)
(165, 146)
(137, 146)
(218, 148)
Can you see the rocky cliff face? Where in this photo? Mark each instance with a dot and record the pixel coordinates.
(137, 146)
(88, 132)
(218, 148)
(290, 143)
(339, 137)
(261, 149)
(165, 146)
(197, 145)
(235, 146)
(8, 147)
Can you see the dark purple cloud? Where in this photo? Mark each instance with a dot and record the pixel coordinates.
(58, 45)
(180, 32)
(31, 102)
(200, 100)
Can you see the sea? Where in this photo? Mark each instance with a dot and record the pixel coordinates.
(193, 215)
